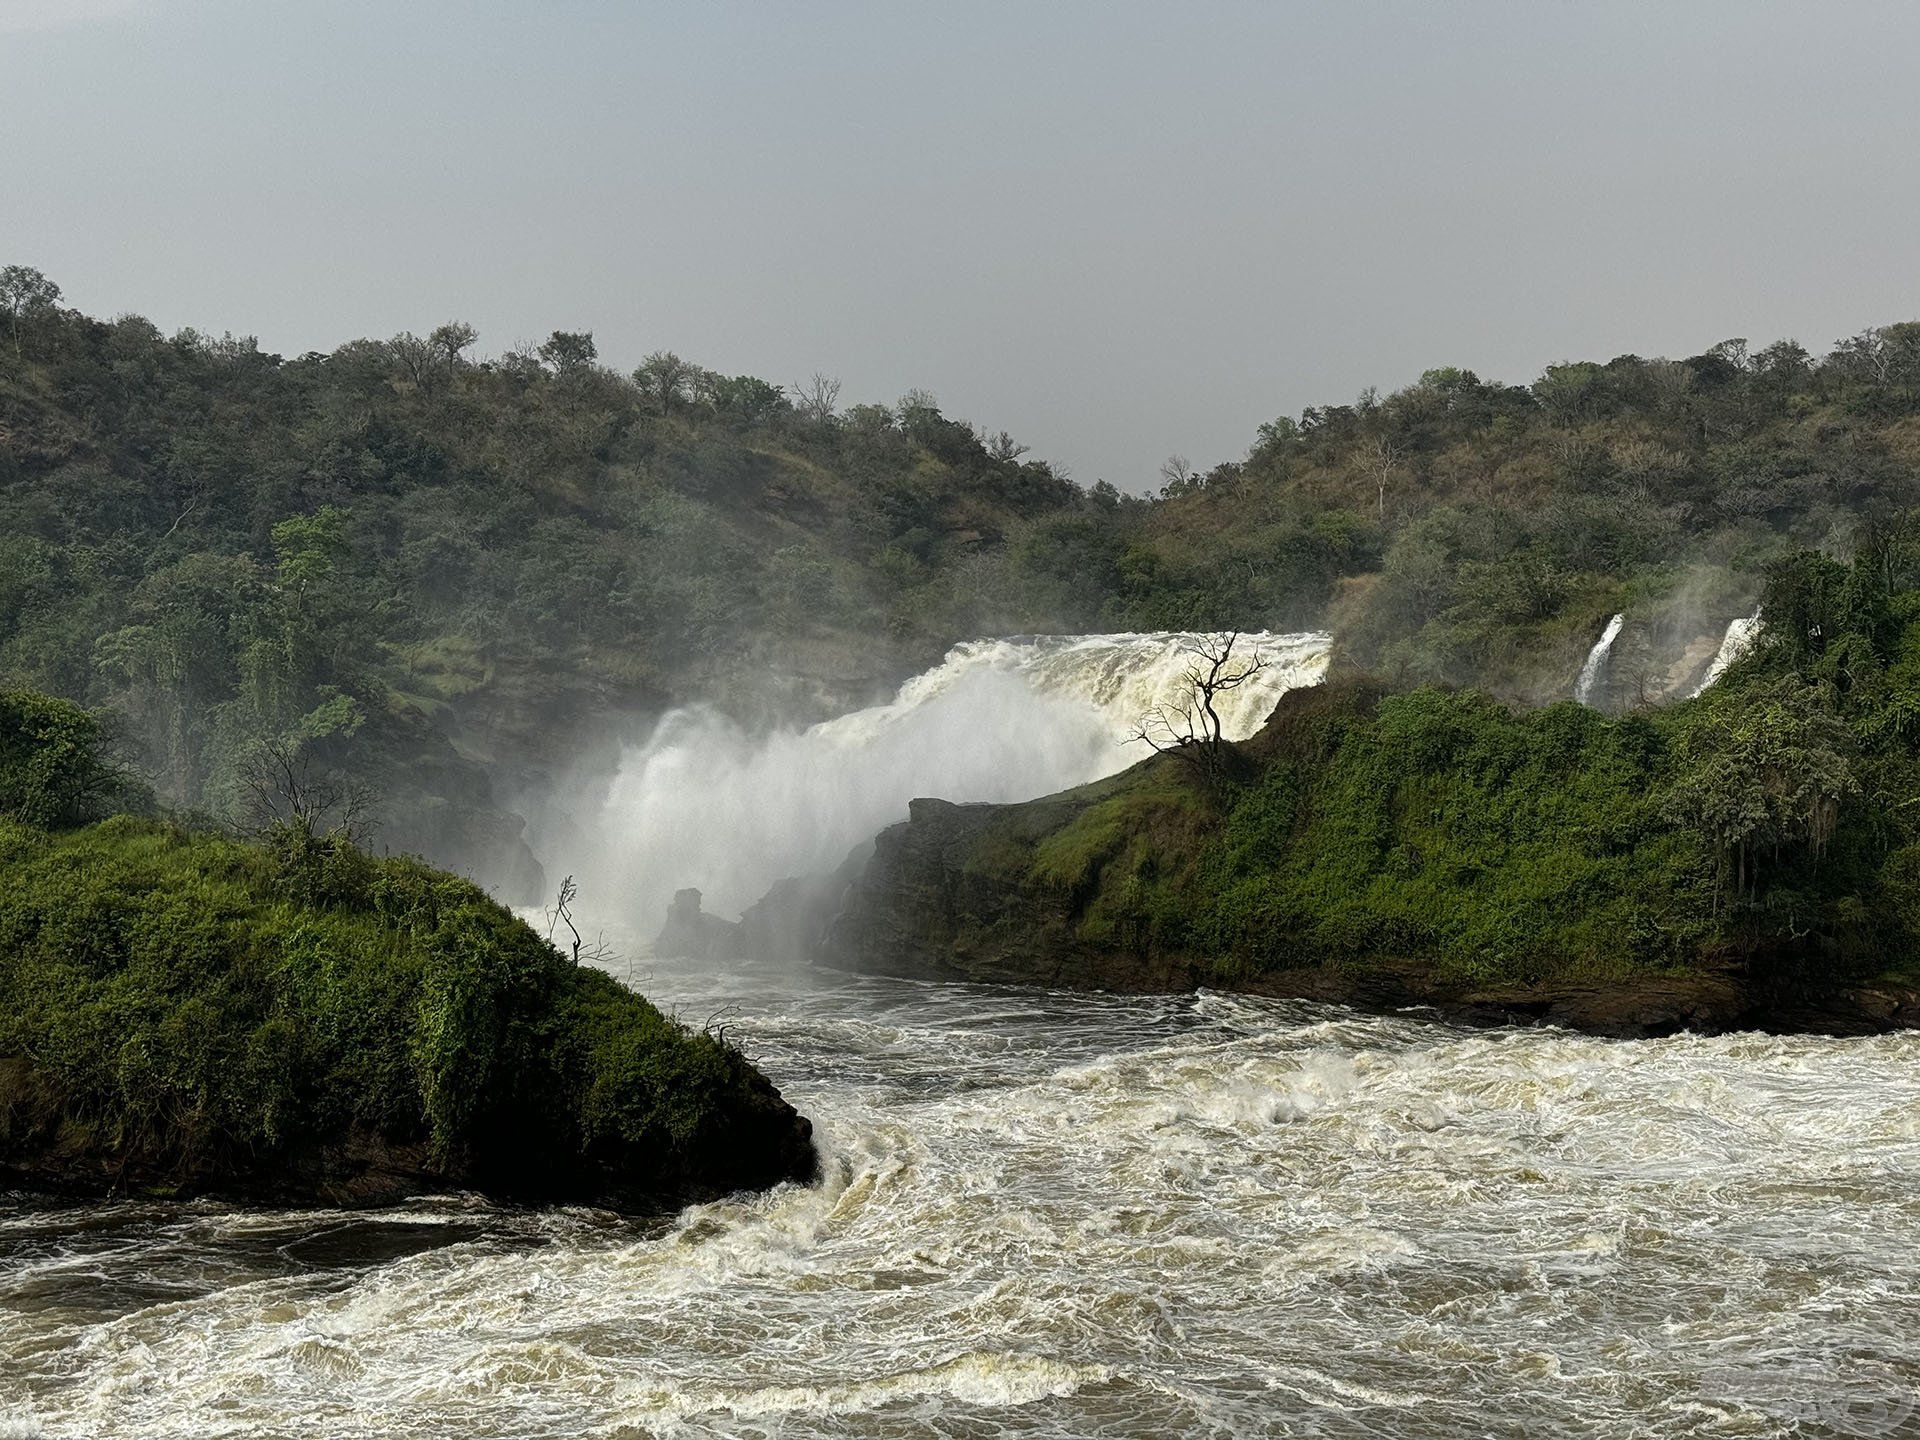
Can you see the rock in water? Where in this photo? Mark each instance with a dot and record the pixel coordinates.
(691, 934)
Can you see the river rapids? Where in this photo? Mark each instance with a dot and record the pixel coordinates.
(1048, 1214)
(1074, 1215)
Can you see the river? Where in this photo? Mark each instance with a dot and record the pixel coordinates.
(1071, 1215)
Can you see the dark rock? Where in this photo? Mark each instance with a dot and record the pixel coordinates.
(791, 921)
(691, 934)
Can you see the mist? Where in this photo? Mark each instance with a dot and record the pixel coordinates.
(706, 803)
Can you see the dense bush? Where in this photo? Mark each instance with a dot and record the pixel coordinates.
(54, 769)
(185, 1012)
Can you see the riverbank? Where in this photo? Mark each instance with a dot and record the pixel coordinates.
(1426, 849)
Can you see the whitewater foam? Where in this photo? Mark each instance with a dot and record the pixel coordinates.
(1066, 1215)
(703, 803)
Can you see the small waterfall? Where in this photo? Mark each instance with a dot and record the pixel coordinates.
(1594, 672)
(706, 804)
(1741, 633)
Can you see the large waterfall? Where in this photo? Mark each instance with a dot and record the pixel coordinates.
(1595, 670)
(704, 803)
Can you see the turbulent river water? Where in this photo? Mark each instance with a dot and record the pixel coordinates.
(1047, 1214)
(1073, 1215)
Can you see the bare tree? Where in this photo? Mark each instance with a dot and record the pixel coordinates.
(1178, 475)
(817, 397)
(413, 356)
(562, 914)
(1382, 458)
(285, 787)
(1003, 446)
(599, 952)
(1190, 726)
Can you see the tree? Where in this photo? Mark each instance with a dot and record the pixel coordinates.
(665, 379)
(1764, 771)
(1177, 476)
(817, 397)
(569, 350)
(54, 770)
(1190, 726)
(413, 356)
(1277, 434)
(1382, 458)
(744, 400)
(25, 294)
(452, 338)
(285, 787)
(1003, 447)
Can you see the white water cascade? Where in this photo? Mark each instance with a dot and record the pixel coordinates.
(1741, 633)
(704, 803)
(1595, 670)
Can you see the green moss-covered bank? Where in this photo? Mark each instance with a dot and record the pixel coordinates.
(1748, 857)
(182, 1013)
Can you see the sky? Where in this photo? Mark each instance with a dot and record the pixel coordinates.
(1119, 231)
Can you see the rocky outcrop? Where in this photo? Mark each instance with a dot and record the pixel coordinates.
(689, 933)
(761, 1141)
(925, 906)
(307, 1024)
(932, 903)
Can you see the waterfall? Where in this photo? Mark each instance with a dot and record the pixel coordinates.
(1741, 633)
(704, 803)
(1595, 670)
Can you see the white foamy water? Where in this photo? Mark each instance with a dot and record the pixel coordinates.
(1739, 639)
(1076, 1215)
(705, 804)
(1594, 670)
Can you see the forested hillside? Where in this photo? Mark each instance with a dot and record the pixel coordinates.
(443, 578)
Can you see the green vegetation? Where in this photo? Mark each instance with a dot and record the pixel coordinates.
(180, 1012)
(1770, 820)
(440, 577)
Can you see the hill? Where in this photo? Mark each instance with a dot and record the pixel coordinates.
(450, 581)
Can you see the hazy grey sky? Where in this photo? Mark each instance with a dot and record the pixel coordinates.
(1117, 230)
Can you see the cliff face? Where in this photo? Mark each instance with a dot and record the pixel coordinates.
(930, 904)
(1147, 881)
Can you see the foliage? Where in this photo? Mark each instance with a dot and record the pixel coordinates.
(189, 1010)
(493, 559)
(1762, 768)
(1774, 814)
(1438, 825)
(54, 769)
